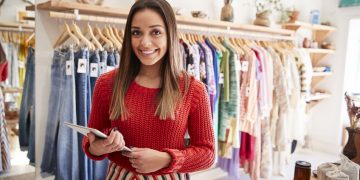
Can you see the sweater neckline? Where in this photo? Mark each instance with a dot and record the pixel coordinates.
(144, 89)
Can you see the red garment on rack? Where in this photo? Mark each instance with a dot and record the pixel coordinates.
(247, 147)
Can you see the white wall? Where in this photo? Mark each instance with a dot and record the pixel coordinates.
(327, 121)
(10, 8)
(47, 30)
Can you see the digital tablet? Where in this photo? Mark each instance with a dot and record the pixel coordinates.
(85, 130)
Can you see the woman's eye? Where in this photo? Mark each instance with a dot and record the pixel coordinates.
(157, 33)
(135, 33)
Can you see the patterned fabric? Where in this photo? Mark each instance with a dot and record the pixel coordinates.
(4, 140)
(116, 172)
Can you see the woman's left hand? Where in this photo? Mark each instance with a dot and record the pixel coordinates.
(146, 160)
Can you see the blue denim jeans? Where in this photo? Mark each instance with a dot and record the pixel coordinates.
(117, 58)
(82, 81)
(111, 61)
(95, 61)
(56, 100)
(103, 62)
(27, 111)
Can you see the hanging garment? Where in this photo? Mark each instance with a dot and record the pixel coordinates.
(61, 155)
(27, 111)
(4, 139)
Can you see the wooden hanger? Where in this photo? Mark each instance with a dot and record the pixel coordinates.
(32, 35)
(106, 41)
(108, 36)
(113, 36)
(95, 42)
(65, 36)
(82, 38)
(117, 34)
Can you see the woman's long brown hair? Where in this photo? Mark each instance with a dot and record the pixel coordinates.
(171, 69)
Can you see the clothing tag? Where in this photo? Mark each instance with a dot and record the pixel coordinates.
(245, 66)
(21, 64)
(94, 70)
(109, 68)
(69, 68)
(102, 67)
(237, 65)
(247, 93)
(221, 78)
(81, 66)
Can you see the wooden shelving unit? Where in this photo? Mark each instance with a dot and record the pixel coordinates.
(318, 76)
(318, 97)
(318, 54)
(321, 74)
(195, 23)
(320, 32)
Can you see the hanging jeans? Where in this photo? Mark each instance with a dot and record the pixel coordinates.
(27, 111)
(103, 62)
(117, 58)
(94, 69)
(110, 61)
(83, 101)
(61, 144)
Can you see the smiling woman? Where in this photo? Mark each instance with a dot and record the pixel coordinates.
(152, 102)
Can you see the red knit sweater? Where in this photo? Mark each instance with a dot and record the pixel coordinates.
(144, 130)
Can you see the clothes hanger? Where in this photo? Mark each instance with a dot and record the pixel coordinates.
(117, 34)
(82, 38)
(113, 36)
(108, 36)
(107, 42)
(93, 40)
(65, 36)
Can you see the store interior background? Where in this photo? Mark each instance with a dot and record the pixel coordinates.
(328, 118)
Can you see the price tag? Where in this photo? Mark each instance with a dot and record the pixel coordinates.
(21, 64)
(102, 67)
(221, 78)
(110, 68)
(81, 66)
(245, 66)
(238, 65)
(69, 68)
(247, 93)
(94, 70)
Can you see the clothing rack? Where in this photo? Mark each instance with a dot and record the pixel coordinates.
(182, 27)
(81, 12)
(17, 27)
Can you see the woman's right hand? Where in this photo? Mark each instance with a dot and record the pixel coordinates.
(114, 142)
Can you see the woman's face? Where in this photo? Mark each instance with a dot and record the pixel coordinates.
(148, 37)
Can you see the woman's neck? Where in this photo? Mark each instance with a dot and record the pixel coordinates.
(149, 76)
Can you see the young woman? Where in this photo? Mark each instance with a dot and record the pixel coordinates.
(149, 103)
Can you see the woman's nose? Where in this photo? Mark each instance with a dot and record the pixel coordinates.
(146, 41)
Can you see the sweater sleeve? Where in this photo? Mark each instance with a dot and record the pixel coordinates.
(200, 154)
(99, 116)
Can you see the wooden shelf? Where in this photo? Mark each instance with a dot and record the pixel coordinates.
(320, 31)
(16, 25)
(11, 90)
(63, 6)
(321, 74)
(317, 54)
(83, 8)
(318, 97)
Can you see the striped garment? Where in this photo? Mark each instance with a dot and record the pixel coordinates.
(116, 172)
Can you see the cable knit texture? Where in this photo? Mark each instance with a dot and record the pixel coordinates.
(145, 130)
